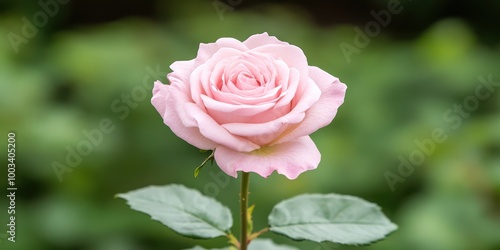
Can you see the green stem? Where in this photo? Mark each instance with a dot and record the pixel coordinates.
(243, 209)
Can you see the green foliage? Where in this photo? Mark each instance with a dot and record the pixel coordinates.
(198, 169)
(337, 218)
(201, 248)
(258, 244)
(184, 210)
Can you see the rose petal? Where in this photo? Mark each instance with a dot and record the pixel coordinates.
(228, 108)
(308, 98)
(181, 71)
(262, 39)
(207, 50)
(290, 87)
(213, 131)
(160, 91)
(200, 80)
(290, 159)
(232, 98)
(182, 68)
(292, 55)
(164, 104)
(266, 128)
(231, 88)
(323, 111)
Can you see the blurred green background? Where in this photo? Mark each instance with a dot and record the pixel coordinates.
(95, 60)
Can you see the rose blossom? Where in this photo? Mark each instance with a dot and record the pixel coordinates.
(253, 102)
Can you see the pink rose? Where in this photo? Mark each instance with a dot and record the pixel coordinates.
(253, 102)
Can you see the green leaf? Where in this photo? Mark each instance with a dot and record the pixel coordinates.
(250, 219)
(197, 170)
(267, 244)
(337, 218)
(258, 244)
(201, 248)
(184, 210)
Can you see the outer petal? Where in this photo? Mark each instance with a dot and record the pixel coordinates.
(262, 39)
(164, 104)
(159, 100)
(290, 159)
(182, 69)
(207, 50)
(292, 55)
(323, 111)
